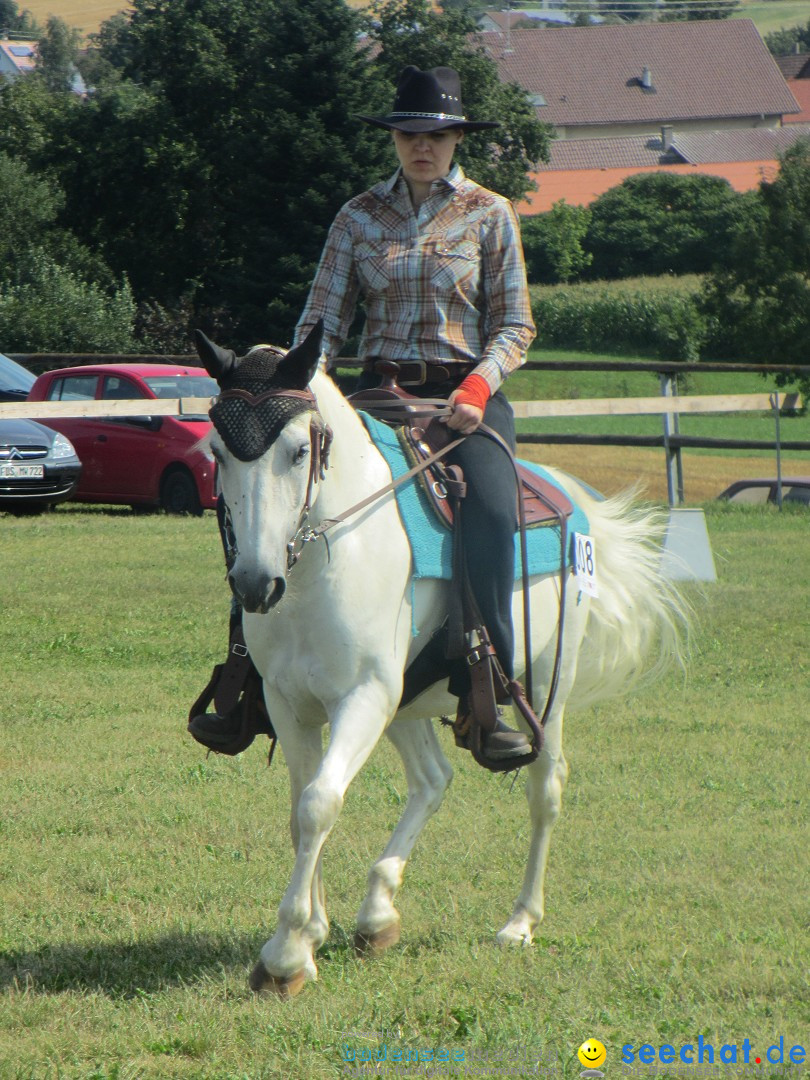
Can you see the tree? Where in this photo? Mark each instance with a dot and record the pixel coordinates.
(58, 51)
(760, 299)
(12, 20)
(627, 10)
(30, 208)
(411, 32)
(217, 149)
(220, 141)
(472, 8)
(31, 117)
(697, 10)
(784, 41)
(109, 52)
(553, 243)
(54, 293)
(56, 308)
(659, 223)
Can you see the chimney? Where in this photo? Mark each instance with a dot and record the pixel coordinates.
(646, 78)
(666, 136)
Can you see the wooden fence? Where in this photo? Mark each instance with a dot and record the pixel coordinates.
(670, 405)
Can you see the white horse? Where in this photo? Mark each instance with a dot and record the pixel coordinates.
(332, 636)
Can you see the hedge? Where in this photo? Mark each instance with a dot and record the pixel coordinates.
(657, 317)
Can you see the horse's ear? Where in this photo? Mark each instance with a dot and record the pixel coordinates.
(301, 363)
(219, 363)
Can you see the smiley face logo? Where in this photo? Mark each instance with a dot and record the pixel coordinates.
(592, 1054)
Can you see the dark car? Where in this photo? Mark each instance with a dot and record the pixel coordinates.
(145, 460)
(763, 489)
(38, 467)
(15, 380)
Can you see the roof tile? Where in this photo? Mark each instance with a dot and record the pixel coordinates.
(591, 75)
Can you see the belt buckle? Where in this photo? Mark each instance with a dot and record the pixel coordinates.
(422, 365)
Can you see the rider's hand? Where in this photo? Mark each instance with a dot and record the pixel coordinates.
(464, 418)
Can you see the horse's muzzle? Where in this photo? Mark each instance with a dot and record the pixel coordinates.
(257, 593)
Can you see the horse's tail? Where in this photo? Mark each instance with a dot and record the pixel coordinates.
(638, 625)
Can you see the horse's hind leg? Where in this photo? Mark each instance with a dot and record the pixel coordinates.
(544, 787)
(428, 773)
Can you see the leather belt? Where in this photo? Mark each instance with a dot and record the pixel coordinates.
(420, 372)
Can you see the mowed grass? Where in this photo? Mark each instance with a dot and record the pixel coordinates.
(140, 878)
(88, 15)
(771, 15)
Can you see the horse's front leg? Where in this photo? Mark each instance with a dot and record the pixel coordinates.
(428, 773)
(357, 724)
(303, 752)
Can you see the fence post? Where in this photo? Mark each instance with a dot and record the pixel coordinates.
(669, 388)
(775, 406)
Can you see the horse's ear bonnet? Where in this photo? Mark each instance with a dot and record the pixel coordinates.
(251, 412)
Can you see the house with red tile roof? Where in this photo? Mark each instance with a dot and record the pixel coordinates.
(580, 170)
(683, 97)
(796, 69)
(800, 88)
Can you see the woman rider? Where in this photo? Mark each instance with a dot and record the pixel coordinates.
(437, 261)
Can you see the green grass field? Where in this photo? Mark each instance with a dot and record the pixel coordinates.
(87, 15)
(139, 879)
(770, 15)
(545, 385)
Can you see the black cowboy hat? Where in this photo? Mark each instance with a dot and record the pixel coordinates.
(428, 101)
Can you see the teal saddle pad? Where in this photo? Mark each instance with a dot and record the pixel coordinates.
(432, 543)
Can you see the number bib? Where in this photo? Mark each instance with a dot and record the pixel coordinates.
(585, 563)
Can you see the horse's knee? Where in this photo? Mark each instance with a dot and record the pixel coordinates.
(318, 808)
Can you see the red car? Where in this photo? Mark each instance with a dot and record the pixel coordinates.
(141, 460)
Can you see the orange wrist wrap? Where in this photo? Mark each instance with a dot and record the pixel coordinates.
(474, 390)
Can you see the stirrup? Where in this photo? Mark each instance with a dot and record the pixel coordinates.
(236, 689)
(479, 726)
(499, 749)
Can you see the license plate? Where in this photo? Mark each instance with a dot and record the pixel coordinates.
(22, 472)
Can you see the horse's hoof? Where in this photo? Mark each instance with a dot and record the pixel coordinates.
(518, 931)
(286, 987)
(378, 942)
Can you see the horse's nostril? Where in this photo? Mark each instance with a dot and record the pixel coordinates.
(256, 592)
(277, 591)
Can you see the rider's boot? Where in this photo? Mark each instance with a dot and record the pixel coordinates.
(499, 742)
(235, 688)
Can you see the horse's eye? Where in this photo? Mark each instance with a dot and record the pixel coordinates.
(217, 455)
(301, 453)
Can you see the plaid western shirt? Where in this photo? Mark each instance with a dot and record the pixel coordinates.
(445, 285)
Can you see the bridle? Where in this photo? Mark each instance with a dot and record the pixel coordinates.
(320, 435)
